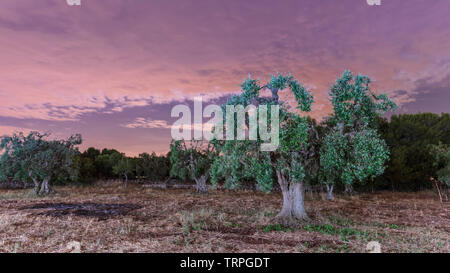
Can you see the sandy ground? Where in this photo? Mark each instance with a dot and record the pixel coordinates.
(110, 218)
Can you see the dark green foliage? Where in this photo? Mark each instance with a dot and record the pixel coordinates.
(111, 164)
(151, 167)
(91, 153)
(87, 171)
(409, 137)
(106, 161)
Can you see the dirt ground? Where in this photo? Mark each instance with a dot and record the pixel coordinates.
(110, 218)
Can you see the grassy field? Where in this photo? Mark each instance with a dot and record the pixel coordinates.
(110, 218)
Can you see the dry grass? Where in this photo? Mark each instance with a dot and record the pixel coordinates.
(178, 220)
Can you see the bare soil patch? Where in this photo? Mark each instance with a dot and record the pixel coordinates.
(100, 211)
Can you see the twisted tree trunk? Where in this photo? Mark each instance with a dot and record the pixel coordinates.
(349, 189)
(293, 209)
(45, 187)
(201, 184)
(37, 186)
(37, 183)
(329, 191)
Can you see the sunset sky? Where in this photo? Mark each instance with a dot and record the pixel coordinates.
(112, 69)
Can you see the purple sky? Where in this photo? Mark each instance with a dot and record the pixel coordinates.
(112, 69)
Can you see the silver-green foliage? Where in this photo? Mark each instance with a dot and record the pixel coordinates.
(192, 160)
(35, 157)
(352, 150)
(242, 160)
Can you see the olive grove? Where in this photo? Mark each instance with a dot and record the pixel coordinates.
(345, 148)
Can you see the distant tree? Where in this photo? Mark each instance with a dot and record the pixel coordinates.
(34, 157)
(106, 161)
(441, 164)
(153, 167)
(292, 164)
(85, 162)
(91, 153)
(124, 168)
(139, 168)
(87, 170)
(353, 150)
(192, 161)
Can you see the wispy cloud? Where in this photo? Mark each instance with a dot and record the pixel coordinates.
(147, 123)
(111, 59)
(73, 112)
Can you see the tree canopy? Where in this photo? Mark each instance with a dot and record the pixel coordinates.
(124, 167)
(441, 162)
(352, 150)
(192, 160)
(35, 157)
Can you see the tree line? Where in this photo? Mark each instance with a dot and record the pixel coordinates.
(410, 138)
(94, 164)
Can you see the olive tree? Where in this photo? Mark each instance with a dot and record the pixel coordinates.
(192, 160)
(291, 164)
(352, 149)
(441, 164)
(35, 157)
(124, 167)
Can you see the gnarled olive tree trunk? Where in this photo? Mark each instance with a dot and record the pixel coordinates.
(349, 189)
(45, 187)
(201, 184)
(41, 187)
(329, 191)
(293, 201)
(37, 186)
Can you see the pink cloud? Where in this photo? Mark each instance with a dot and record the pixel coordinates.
(147, 123)
(63, 63)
